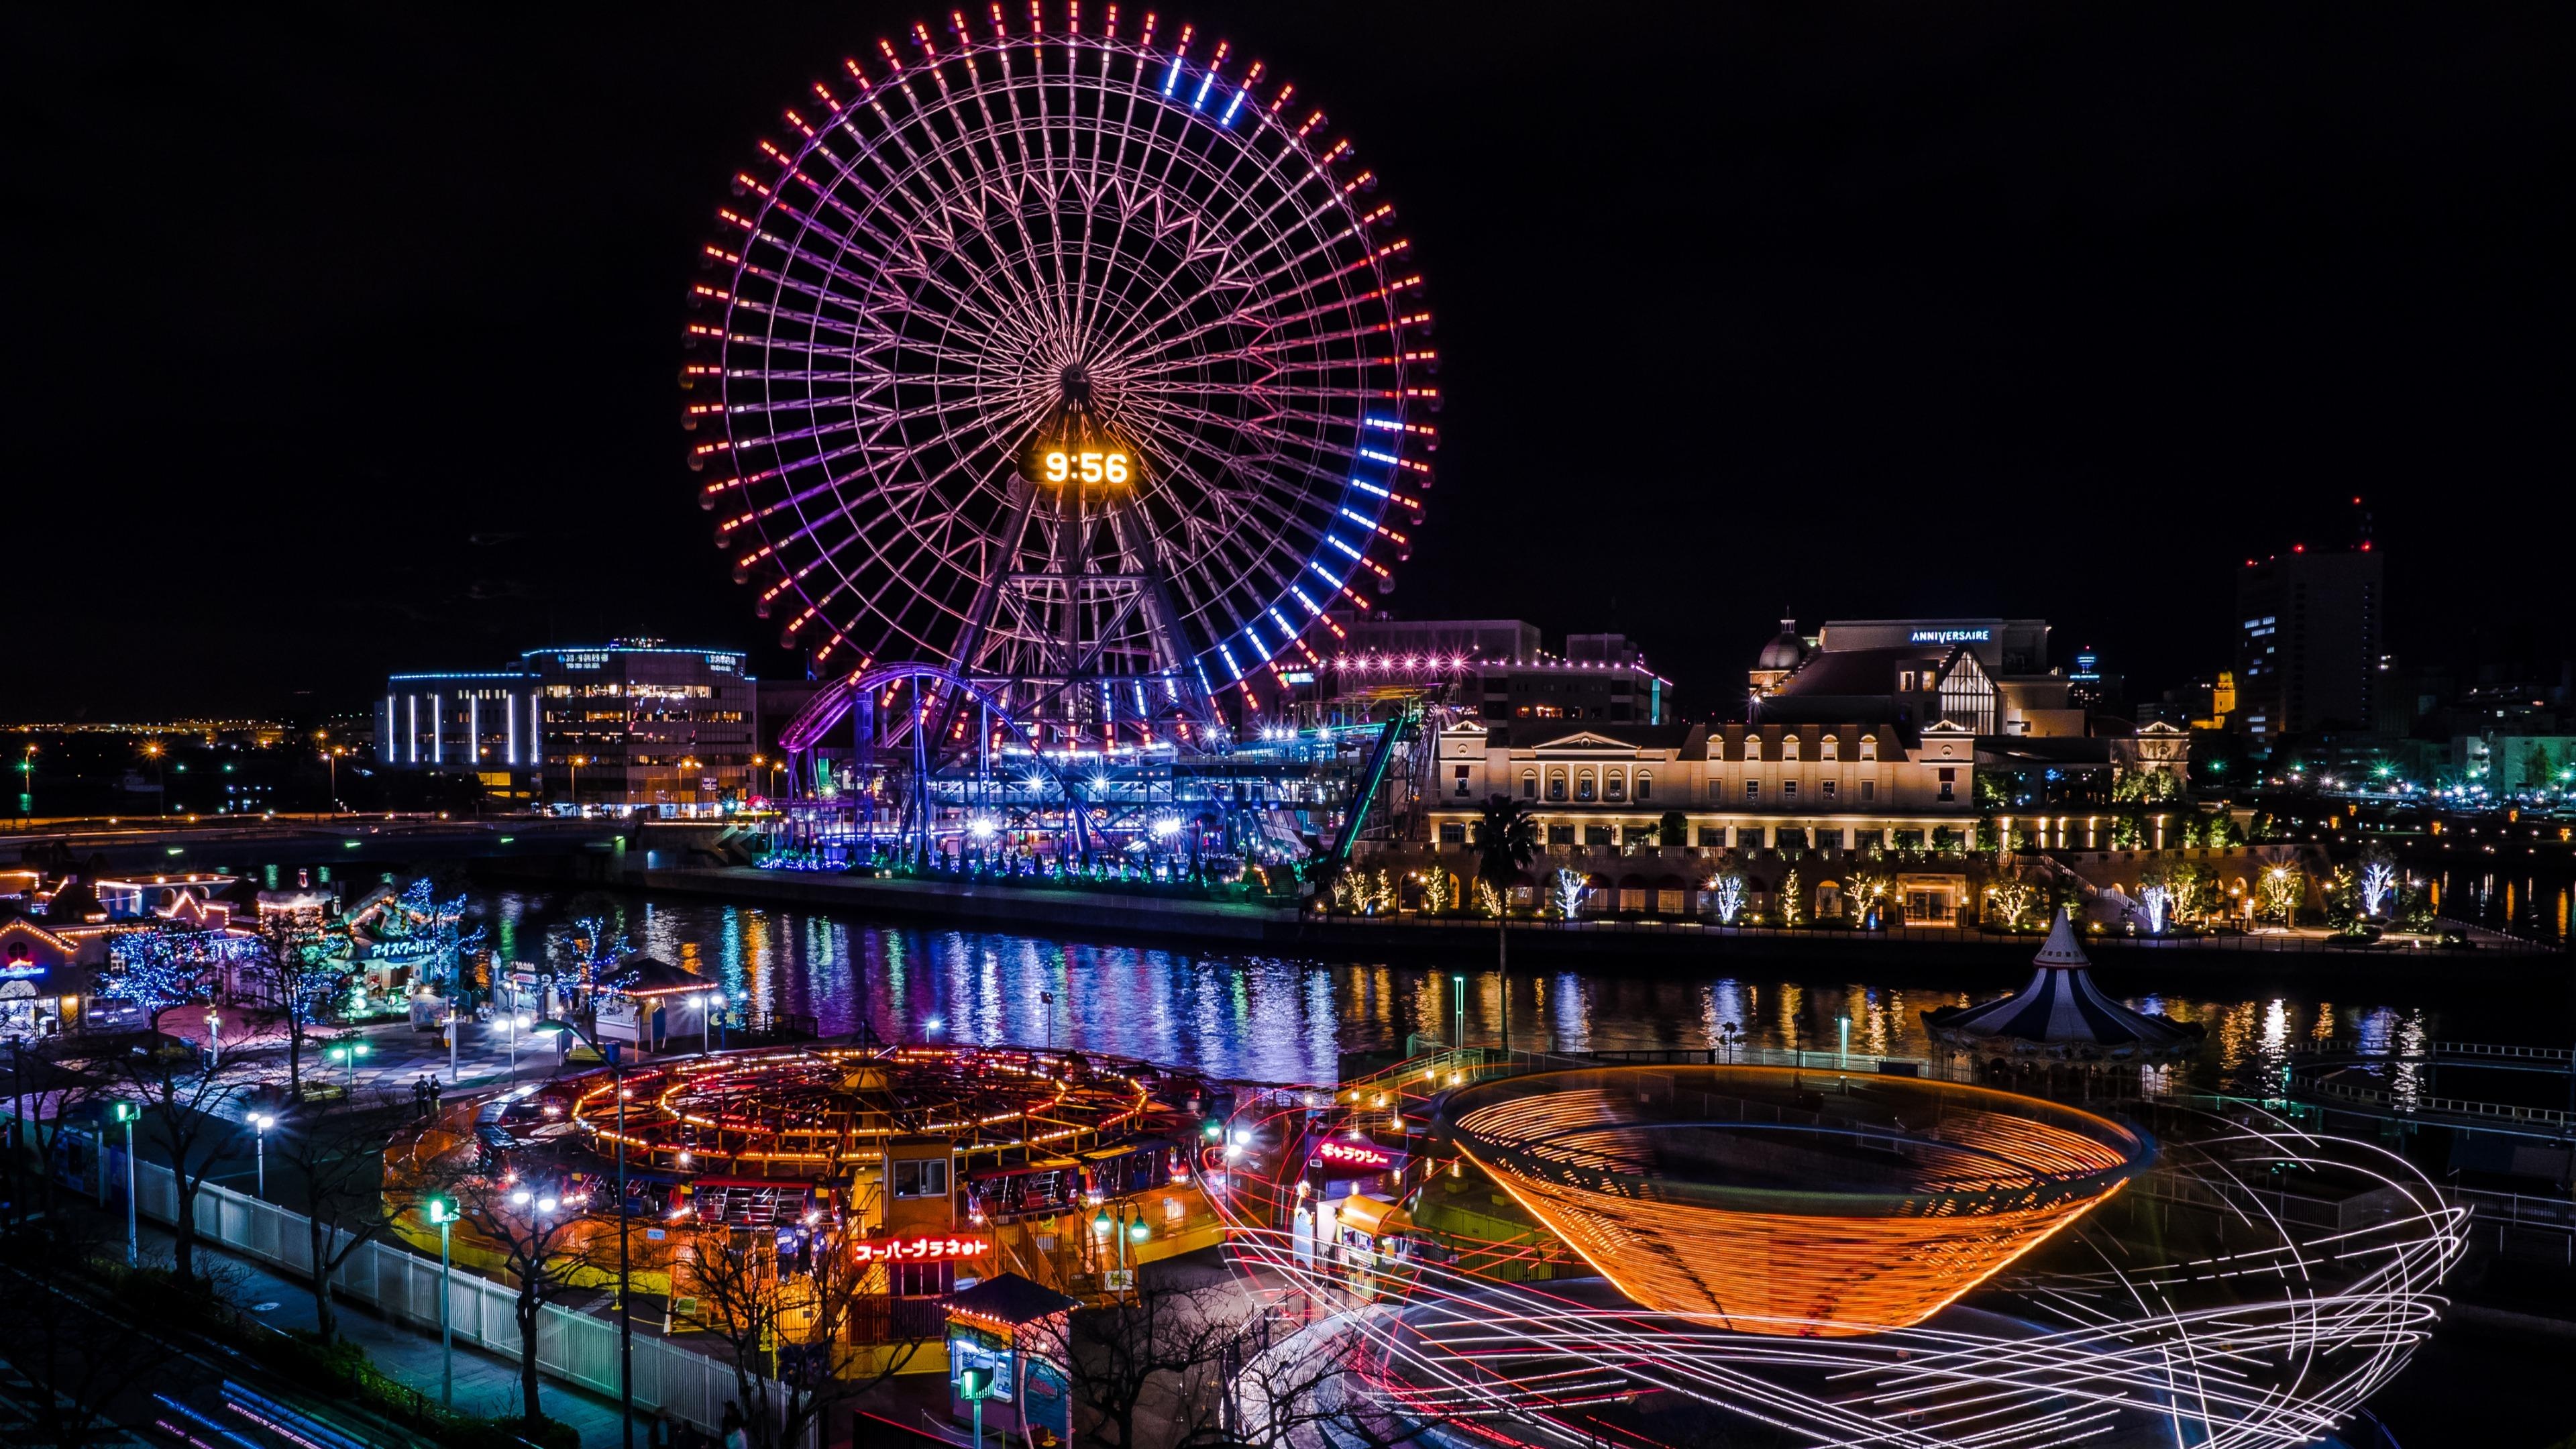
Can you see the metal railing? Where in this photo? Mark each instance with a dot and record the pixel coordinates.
(573, 1348)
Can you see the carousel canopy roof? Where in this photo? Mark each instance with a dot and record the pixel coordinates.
(650, 976)
(2061, 1008)
(1010, 1298)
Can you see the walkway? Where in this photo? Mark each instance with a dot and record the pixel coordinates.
(485, 1384)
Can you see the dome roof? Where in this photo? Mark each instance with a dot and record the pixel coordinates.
(1786, 652)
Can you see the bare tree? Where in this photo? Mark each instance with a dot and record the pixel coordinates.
(802, 1344)
(183, 1098)
(1142, 1362)
(42, 1093)
(294, 971)
(338, 1159)
(543, 1251)
(1300, 1388)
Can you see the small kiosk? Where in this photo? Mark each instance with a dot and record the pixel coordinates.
(1012, 1333)
(648, 1002)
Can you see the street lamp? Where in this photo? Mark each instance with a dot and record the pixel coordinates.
(347, 1053)
(625, 1297)
(126, 1112)
(214, 1038)
(441, 1210)
(974, 1385)
(1458, 983)
(576, 761)
(260, 1122)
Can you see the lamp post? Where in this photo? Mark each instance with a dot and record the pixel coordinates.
(441, 1210)
(214, 1038)
(126, 1112)
(576, 761)
(1458, 986)
(516, 1024)
(625, 1298)
(974, 1385)
(1842, 1053)
(347, 1053)
(450, 1024)
(260, 1122)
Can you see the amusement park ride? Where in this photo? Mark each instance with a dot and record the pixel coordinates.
(1063, 375)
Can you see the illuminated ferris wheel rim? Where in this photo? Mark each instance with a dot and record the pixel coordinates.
(1266, 467)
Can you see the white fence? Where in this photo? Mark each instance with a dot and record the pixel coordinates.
(403, 1286)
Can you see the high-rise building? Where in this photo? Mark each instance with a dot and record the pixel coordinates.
(630, 723)
(2309, 624)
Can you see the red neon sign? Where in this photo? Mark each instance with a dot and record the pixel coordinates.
(1346, 1154)
(919, 1249)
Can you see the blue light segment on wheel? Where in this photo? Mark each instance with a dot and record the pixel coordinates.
(1362, 519)
(1201, 98)
(1171, 81)
(1285, 627)
(1324, 573)
(1260, 645)
(1199, 668)
(1390, 424)
(1233, 106)
(1335, 541)
(1311, 606)
(1366, 486)
(1381, 457)
(1230, 666)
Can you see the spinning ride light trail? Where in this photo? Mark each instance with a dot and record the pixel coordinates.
(1026, 236)
(2135, 1326)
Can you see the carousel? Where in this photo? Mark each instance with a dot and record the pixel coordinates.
(2061, 1015)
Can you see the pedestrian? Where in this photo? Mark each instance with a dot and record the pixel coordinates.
(661, 1437)
(731, 1425)
(419, 1099)
(435, 1089)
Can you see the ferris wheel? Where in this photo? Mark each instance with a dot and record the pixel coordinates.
(1068, 353)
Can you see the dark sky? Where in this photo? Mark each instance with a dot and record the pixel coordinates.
(347, 340)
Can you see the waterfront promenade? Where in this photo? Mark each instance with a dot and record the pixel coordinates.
(992, 904)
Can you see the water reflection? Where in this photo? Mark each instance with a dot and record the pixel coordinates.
(1271, 1018)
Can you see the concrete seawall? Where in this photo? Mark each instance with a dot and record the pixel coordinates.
(1682, 945)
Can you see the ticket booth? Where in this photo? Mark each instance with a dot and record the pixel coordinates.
(1013, 1333)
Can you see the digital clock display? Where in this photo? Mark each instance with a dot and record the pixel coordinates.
(1061, 466)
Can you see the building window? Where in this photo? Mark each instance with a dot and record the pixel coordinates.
(1752, 790)
(1583, 788)
(1462, 781)
(1868, 791)
(921, 1179)
(1832, 748)
(1597, 835)
(1788, 789)
(1949, 783)
(1556, 788)
(1712, 836)
(1829, 839)
(1828, 789)
(1868, 747)
(1453, 834)
(1560, 835)
(1614, 788)
(921, 1280)
(1529, 784)
(1789, 747)
(1645, 786)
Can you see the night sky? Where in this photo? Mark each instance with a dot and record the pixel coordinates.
(347, 341)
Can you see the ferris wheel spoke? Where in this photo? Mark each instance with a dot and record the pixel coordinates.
(916, 287)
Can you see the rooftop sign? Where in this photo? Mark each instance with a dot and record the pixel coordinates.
(1950, 636)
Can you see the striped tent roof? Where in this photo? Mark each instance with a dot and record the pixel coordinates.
(2061, 1013)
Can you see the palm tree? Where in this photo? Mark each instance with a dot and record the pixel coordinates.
(1506, 842)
